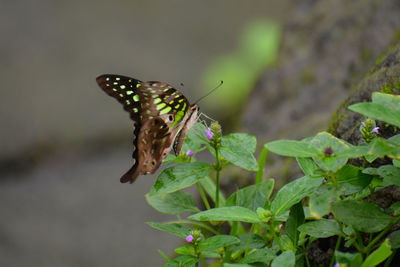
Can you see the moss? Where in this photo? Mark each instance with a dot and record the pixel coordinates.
(380, 59)
(336, 117)
(366, 55)
(387, 88)
(391, 87)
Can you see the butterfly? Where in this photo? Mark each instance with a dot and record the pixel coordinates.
(161, 117)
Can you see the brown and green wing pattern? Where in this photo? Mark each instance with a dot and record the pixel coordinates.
(158, 111)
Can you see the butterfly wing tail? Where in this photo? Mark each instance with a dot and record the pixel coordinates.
(130, 176)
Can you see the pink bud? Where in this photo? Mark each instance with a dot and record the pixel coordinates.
(189, 238)
(209, 133)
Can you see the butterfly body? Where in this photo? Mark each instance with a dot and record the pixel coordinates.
(161, 116)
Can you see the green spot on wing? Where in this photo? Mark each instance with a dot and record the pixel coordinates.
(157, 100)
(135, 110)
(160, 106)
(122, 86)
(136, 98)
(165, 110)
(129, 92)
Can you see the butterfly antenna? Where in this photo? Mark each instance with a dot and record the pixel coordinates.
(209, 92)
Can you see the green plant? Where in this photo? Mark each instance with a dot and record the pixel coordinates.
(252, 227)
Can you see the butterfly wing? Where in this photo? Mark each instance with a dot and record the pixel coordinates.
(153, 144)
(159, 112)
(189, 122)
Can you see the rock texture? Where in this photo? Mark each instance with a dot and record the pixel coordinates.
(327, 47)
(332, 52)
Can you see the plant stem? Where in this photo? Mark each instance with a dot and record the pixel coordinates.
(378, 237)
(248, 241)
(306, 255)
(203, 261)
(389, 260)
(217, 170)
(203, 196)
(359, 241)
(261, 164)
(336, 248)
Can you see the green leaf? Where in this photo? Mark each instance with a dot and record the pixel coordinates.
(291, 148)
(321, 200)
(395, 207)
(378, 112)
(179, 176)
(351, 259)
(286, 259)
(252, 196)
(195, 138)
(362, 216)
(351, 179)
(395, 139)
(352, 152)
(296, 218)
(394, 239)
(307, 165)
(182, 261)
(380, 147)
(389, 100)
(172, 228)
(238, 149)
(379, 255)
(227, 214)
(396, 163)
(264, 255)
(241, 265)
(189, 250)
(175, 203)
(218, 241)
(209, 186)
(256, 241)
(322, 228)
(390, 175)
(185, 250)
(332, 162)
(292, 193)
(285, 242)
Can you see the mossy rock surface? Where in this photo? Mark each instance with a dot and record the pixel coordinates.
(327, 48)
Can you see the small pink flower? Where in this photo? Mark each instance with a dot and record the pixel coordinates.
(209, 133)
(336, 265)
(189, 238)
(324, 181)
(190, 153)
(375, 130)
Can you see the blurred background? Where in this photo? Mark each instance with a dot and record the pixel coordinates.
(65, 143)
(286, 67)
